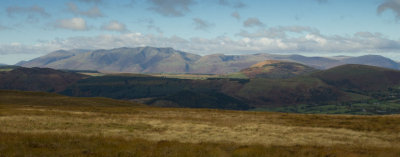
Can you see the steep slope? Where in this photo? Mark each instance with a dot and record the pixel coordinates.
(37, 79)
(360, 77)
(276, 69)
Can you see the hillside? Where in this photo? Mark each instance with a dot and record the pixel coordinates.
(373, 60)
(360, 77)
(27, 98)
(37, 79)
(276, 69)
(166, 92)
(168, 60)
(41, 124)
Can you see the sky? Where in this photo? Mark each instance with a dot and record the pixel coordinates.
(32, 28)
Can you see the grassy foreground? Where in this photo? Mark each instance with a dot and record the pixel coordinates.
(40, 124)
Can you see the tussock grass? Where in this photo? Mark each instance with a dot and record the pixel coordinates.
(27, 144)
(65, 126)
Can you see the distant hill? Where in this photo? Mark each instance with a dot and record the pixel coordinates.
(360, 77)
(373, 60)
(8, 67)
(276, 69)
(136, 60)
(37, 79)
(168, 60)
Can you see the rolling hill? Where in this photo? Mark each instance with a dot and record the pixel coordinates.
(276, 69)
(38, 79)
(351, 89)
(360, 77)
(168, 60)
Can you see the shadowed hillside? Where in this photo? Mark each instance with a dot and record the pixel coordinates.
(38, 79)
(360, 77)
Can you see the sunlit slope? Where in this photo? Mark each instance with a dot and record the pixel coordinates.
(276, 69)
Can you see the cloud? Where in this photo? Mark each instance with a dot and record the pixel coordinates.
(91, 1)
(171, 8)
(76, 24)
(393, 5)
(31, 12)
(231, 3)
(278, 32)
(252, 22)
(236, 15)
(114, 26)
(93, 12)
(201, 24)
(308, 40)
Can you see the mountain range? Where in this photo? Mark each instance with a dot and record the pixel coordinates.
(168, 60)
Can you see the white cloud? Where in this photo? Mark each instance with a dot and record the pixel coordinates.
(77, 24)
(308, 41)
(114, 26)
(278, 32)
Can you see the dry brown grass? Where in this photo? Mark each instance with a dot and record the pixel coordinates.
(45, 144)
(127, 130)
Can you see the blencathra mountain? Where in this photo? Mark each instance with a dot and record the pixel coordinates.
(168, 60)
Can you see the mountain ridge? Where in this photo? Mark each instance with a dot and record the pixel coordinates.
(168, 60)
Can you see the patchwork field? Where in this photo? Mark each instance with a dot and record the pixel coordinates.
(63, 126)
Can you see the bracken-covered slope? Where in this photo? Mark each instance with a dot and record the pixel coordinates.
(38, 79)
(276, 69)
(168, 60)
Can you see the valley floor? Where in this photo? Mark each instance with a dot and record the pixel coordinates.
(145, 131)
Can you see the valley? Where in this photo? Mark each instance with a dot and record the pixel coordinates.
(266, 86)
